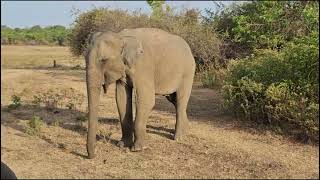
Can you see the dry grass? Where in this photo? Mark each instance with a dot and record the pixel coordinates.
(216, 147)
(37, 56)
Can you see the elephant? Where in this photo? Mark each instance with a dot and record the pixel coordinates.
(150, 61)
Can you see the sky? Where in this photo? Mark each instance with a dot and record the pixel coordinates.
(23, 14)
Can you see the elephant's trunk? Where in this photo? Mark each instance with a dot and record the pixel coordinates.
(93, 90)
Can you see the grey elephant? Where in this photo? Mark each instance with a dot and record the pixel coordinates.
(151, 61)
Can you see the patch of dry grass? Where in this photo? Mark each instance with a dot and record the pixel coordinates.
(213, 149)
(37, 56)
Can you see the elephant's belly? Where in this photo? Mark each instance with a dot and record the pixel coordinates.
(167, 85)
(165, 91)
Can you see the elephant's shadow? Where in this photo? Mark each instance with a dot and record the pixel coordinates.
(161, 131)
(10, 117)
(65, 117)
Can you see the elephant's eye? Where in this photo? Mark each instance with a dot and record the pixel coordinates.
(104, 60)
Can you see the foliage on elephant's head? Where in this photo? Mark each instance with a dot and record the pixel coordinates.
(131, 50)
(187, 23)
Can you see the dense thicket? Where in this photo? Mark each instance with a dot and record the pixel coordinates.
(274, 78)
(263, 24)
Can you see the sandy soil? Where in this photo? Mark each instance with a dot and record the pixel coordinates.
(217, 146)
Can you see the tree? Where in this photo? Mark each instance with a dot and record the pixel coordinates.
(4, 27)
(191, 16)
(263, 24)
(158, 8)
(36, 28)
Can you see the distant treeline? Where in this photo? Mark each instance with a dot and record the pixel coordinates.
(36, 35)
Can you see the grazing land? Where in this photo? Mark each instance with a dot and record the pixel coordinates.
(217, 146)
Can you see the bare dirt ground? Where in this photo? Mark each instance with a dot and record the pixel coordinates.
(217, 146)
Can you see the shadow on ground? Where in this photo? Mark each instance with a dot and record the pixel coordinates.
(67, 119)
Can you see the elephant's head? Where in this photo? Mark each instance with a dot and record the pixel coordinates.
(107, 57)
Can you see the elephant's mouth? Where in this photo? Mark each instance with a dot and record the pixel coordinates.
(104, 82)
(104, 88)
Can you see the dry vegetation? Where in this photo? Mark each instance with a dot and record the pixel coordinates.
(37, 57)
(218, 146)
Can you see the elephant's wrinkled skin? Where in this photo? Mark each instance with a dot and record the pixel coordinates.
(150, 60)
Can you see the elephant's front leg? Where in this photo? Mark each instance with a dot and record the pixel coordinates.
(124, 104)
(144, 103)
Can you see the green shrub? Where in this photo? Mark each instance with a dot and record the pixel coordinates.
(212, 78)
(16, 102)
(288, 106)
(262, 25)
(278, 88)
(246, 98)
(34, 125)
(264, 66)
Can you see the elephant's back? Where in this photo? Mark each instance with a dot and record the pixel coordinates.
(155, 36)
(162, 43)
(164, 48)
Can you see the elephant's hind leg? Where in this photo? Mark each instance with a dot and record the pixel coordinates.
(124, 104)
(182, 98)
(172, 98)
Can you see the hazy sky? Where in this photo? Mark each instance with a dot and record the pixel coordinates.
(44, 13)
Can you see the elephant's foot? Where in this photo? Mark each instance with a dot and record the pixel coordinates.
(91, 156)
(179, 136)
(125, 143)
(137, 147)
(180, 133)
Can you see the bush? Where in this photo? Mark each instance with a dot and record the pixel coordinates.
(54, 98)
(16, 102)
(101, 19)
(279, 88)
(246, 99)
(202, 40)
(288, 106)
(104, 135)
(262, 25)
(212, 78)
(34, 125)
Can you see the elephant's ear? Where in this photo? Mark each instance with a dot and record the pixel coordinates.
(93, 36)
(131, 51)
(90, 39)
